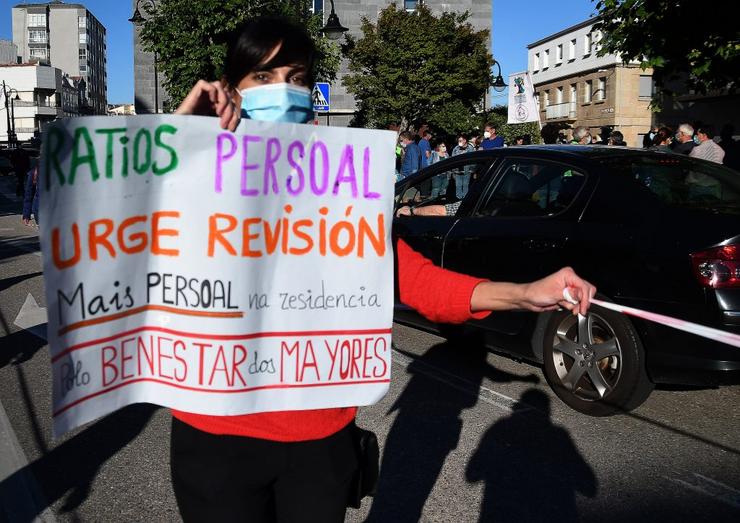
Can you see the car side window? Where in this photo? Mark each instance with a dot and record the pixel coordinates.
(445, 190)
(532, 188)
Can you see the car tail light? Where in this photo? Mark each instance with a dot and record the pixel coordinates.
(717, 268)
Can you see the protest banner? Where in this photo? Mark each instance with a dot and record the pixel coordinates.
(523, 105)
(215, 272)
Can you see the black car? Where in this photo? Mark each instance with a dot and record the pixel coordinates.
(654, 231)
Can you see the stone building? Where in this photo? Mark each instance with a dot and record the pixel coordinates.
(576, 87)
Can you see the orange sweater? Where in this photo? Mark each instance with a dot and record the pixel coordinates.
(438, 294)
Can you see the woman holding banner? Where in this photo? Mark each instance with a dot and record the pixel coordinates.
(297, 465)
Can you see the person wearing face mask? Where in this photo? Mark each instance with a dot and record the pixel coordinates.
(462, 178)
(684, 142)
(441, 181)
(490, 139)
(297, 466)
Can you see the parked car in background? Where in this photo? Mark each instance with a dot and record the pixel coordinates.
(655, 231)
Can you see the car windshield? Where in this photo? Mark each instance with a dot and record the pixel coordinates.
(679, 182)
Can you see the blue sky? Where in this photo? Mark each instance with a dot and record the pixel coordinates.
(515, 24)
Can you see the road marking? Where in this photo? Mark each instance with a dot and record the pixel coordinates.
(32, 318)
(710, 487)
(456, 382)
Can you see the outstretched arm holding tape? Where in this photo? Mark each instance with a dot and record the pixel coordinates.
(429, 289)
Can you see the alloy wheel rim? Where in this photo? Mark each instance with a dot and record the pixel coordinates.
(587, 356)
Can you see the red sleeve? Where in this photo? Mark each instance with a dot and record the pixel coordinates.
(438, 294)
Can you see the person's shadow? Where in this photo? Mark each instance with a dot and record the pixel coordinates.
(531, 468)
(71, 468)
(428, 426)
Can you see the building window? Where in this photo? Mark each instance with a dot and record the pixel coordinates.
(38, 53)
(317, 6)
(546, 95)
(536, 62)
(601, 91)
(83, 53)
(559, 95)
(597, 41)
(573, 93)
(410, 5)
(36, 20)
(546, 59)
(37, 36)
(587, 40)
(646, 86)
(588, 91)
(83, 38)
(83, 68)
(82, 21)
(559, 54)
(572, 50)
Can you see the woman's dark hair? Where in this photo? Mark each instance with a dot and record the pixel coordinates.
(254, 40)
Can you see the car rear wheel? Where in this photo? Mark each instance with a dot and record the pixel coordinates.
(596, 363)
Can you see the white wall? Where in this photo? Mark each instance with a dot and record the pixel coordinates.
(582, 61)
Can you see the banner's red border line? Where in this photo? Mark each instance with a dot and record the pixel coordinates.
(216, 391)
(222, 337)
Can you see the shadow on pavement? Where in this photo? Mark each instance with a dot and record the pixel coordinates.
(530, 467)
(18, 347)
(6, 283)
(70, 468)
(428, 428)
(12, 247)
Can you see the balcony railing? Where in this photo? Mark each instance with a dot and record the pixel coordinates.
(25, 103)
(563, 110)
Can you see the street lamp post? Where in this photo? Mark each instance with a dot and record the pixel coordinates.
(498, 83)
(10, 114)
(333, 29)
(138, 20)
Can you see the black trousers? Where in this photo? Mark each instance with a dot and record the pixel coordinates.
(239, 479)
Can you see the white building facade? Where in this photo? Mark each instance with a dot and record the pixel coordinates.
(576, 87)
(39, 89)
(69, 37)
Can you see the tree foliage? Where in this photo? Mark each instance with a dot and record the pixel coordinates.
(679, 39)
(190, 37)
(414, 66)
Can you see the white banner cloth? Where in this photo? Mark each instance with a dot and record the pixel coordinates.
(522, 102)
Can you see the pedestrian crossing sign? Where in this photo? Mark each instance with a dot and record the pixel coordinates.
(320, 96)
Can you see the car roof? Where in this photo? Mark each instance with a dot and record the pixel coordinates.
(594, 152)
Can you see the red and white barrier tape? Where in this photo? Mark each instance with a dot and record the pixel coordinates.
(687, 326)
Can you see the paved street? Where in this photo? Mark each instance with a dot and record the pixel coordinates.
(466, 435)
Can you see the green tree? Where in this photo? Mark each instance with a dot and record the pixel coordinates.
(414, 66)
(679, 39)
(190, 37)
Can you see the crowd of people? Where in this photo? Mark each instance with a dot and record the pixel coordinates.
(697, 141)
(415, 150)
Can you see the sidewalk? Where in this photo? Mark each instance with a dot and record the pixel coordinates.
(20, 495)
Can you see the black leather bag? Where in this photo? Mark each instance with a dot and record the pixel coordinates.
(365, 480)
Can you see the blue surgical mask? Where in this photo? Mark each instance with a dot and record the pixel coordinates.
(277, 103)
